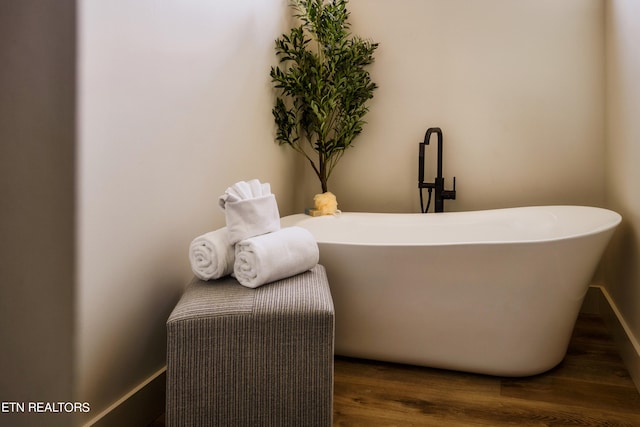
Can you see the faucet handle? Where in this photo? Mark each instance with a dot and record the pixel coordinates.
(450, 194)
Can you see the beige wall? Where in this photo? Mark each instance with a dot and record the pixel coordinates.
(174, 106)
(516, 86)
(623, 157)
(37, 125)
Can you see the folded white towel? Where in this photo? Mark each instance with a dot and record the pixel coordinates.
(252, 217)
(244, 190)
(250, 210)
(211, 255)
(274, 256)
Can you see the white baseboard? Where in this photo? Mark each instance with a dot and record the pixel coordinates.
(139, 407)
(599, 299)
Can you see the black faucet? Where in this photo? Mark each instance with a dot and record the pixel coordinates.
(438, 184)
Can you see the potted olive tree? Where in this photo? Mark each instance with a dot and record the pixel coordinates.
(323, 84)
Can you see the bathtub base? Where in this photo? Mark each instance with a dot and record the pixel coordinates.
(491, 292)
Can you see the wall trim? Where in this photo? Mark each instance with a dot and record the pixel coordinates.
(140, 406)
(626, 342)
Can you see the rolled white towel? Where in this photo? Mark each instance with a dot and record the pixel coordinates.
(274, 256)
(211, 255)
(250, 210)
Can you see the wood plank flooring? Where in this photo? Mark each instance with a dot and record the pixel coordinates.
(591, 387)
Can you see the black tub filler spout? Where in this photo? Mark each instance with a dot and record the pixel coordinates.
(437, 185)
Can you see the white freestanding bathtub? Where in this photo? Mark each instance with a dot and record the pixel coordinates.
(494, 292)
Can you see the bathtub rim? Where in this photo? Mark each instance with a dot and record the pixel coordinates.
(615, 220)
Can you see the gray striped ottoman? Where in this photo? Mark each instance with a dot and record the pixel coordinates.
(252, 357)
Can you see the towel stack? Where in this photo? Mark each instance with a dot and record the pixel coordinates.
(252, 246)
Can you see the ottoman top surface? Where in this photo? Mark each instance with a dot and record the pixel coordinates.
(303, 293)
